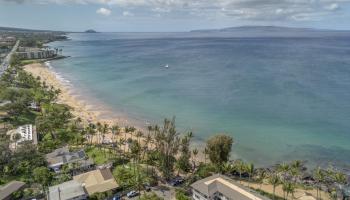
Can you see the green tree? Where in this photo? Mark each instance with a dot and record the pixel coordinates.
(151, 196)
(43, 176)
(167, 145)
(181, 195)
(219, 148)
(274, 180)
(250, 170)
(183, 162)
(319, 177)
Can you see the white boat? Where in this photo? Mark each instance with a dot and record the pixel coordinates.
(166, 66)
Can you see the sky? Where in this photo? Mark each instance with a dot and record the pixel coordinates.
(172, 15)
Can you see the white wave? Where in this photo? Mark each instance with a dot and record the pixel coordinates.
(57, 75)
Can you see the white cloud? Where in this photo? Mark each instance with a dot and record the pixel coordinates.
(333, 6)
(104, 11)
(128, 14)
(237, 9)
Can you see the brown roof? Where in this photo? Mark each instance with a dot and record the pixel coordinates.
(100, 180)
(8, 189)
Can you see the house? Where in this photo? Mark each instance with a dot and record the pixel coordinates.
(7, 190)
(220, 187)
(26, 132)
(63, 156)
(35, 53)
(7, 41)
(100, 180)
(67, 191)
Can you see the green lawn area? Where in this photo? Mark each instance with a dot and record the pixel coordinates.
(27, 62)
(100, 156)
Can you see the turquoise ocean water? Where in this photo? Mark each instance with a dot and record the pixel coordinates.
(280, 98)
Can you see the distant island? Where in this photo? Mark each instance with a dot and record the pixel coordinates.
(273, 31)
(91, 31)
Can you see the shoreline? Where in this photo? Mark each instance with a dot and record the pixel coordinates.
(82, 109)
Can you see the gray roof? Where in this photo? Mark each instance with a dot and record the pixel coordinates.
(8, 189)
(63, 156)
(66, 190)
(226, 186)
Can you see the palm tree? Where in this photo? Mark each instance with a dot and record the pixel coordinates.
(283, 169)
(205, 152)
(99, 130)
(288, 188)
(250, 170)
(115, 131)
(147, 141)
(319, 176)
(240, 167)
(149, 128)
(262, 176)
(195, 153)
(90, 130)
(274, 180)
(122, 142)
(104, 131)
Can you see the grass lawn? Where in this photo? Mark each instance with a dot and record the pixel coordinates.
(27, 62)
(100, 156)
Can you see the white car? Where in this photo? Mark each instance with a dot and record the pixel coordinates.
(132, 194)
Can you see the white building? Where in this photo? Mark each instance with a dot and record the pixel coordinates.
(219, 187)
(35, 53)
(26, 132)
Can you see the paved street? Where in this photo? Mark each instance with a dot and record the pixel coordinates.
(6, 62)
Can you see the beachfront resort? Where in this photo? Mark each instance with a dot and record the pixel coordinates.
(52, 148)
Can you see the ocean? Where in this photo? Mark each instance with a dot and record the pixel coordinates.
(280, 98)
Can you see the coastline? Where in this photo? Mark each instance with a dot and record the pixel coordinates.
(79, 108)
(82, 109)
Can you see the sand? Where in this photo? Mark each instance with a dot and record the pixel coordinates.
(79, 107)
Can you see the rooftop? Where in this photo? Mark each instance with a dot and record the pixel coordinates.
(100, 180)
(66, 190)
(8, 189)
(62, 156)
(226, 186)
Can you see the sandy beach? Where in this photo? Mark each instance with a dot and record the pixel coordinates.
(79, 107)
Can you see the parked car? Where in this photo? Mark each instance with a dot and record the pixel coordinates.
(176, 181)
(147, 187)
(132, 193)
(117, 197)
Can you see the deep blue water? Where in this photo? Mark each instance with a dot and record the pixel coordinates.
(280, 98)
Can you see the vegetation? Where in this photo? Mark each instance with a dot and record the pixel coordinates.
(181, 195)
(219, 148)
(151, 196)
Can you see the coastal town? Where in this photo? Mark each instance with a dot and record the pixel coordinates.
(52, 147)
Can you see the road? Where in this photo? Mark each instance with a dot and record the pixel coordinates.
(6, 62)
